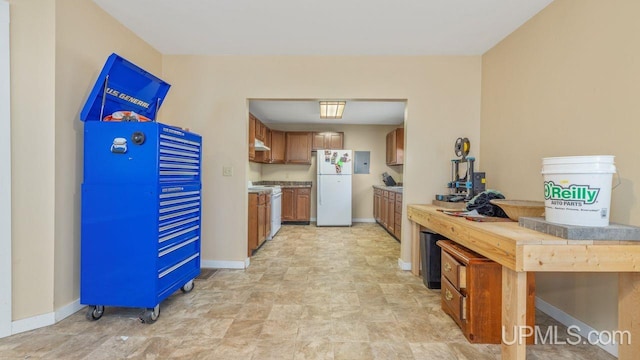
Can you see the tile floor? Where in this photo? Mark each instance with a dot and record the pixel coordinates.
(311, 293)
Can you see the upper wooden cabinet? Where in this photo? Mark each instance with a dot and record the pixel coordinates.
(288, 147)
(264, 156)
(252, 137)
(327, 140)
(261, 129)
(395, 147)
(298, 147)
(277, 147)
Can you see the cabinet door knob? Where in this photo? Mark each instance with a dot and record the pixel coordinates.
(447, 267)
(448, 295)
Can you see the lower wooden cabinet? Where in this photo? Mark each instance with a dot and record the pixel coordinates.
(377, 204)
(472, 293)
(387, 211)
(296, 205)
(259, 220)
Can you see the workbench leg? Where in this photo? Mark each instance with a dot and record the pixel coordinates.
(415, 248)
(514, 315)
(628, 316)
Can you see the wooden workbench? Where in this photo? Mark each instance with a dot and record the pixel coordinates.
(520, 250)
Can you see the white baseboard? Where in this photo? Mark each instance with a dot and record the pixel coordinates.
(36, 322)
(355, 220)
(404, 265)
(68, 310)
(224, 264)
(32, 323)
(568, 320)
(364, 220)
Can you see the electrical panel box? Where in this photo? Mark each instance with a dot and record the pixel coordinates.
(141, 196)
(361, 162)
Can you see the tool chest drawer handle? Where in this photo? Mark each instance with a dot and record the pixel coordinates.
(448, 295)
(447, 267)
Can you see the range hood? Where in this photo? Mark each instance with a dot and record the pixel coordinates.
(260, 146)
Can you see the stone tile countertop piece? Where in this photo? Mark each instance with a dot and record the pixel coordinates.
(397, 189)
(284, 183)
(259, 191)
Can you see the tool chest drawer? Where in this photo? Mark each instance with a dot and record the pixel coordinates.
(141, 196)
(135, 151)
(454, 271)
(454, 301)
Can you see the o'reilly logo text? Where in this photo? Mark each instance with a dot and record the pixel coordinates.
(579, 193)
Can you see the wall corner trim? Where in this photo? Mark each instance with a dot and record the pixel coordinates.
(404, 265)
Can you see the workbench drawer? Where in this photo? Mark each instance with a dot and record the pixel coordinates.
(454, 271)
(453, 301)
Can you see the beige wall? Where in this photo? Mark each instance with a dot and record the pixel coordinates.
(210, 93)
(58, 49)
(567, 83)
(357, 138)
(85, 37)
(32, 156)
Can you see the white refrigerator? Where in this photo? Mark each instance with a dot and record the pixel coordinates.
(335, 168)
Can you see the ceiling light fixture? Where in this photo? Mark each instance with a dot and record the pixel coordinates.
(332, 109)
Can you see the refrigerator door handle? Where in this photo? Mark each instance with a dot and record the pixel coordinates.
(320, 190)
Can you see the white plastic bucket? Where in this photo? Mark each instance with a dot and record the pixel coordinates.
(577, 189)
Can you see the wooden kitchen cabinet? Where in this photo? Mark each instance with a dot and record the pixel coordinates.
(259, 222)
(252, 137)
(296, 205)
(258, 131)
(472, 293)
(264, 156)
(261, 130)
(298, 147)
(391, 211)
(387, 211)
(277, 147)
(395, 147)
(327, 140)
(397, 224)
(384, 208)
(377, 203)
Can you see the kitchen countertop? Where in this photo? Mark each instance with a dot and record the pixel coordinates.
(397, 189)
(288, 184)
(259, 191)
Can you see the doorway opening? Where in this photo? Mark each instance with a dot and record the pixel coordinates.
(364, 127)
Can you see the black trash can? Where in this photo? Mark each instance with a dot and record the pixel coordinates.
(430, 259)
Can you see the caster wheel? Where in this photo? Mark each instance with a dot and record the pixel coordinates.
(95, 312)
(149, 316)
(187, 287)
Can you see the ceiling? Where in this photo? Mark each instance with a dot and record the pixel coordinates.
(357, 112)
(328, 27)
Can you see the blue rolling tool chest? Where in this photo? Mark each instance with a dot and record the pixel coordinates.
(141, 196)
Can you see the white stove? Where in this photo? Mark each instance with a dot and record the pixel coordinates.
(276, 206)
